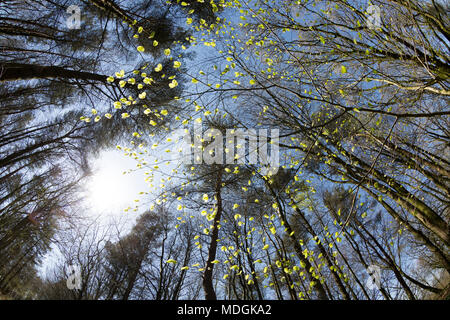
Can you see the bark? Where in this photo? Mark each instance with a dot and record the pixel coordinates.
(336, 277)
(320, 290)
(19, 71)
(208, 287)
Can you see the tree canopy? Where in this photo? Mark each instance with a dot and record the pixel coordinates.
(357, 91)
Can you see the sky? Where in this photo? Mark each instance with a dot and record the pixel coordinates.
(105, 195)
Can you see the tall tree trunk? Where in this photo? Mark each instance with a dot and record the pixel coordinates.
(208, 287)
(19, 71)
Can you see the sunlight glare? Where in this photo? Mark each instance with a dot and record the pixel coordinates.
(109, 189)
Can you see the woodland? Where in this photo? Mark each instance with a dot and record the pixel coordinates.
(359, 91)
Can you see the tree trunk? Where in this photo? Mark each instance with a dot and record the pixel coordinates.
(19, 71)
(208, 287)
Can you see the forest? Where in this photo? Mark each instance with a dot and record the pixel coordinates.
(289, 149)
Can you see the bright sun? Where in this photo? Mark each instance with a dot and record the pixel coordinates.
(109, 189)
(105, 190)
